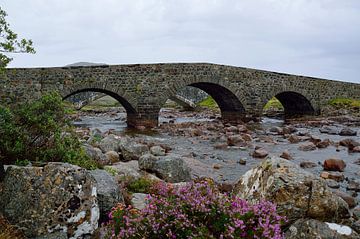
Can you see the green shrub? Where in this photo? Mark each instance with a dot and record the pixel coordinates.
(39, 131)
(141, 185)
(273, 104)
(344, 102)
(209, 103)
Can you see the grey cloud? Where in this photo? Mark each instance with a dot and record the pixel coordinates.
(309, 37)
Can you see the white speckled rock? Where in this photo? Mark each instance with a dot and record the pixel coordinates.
(311, 228)
(296, 192)
(58, 197)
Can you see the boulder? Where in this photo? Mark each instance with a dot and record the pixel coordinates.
(108, 192)
(351, 201)
(96, 154)
(171, 168)
(337, 176)
(356, 149)
(308, 146)
(110, 143)
(125, 169)
(314, 229)
(334, 165)
(58, 197)
(112, 156)
(349, 143)
(296, 192)
(131, 150)
(329, 130)
(138, 200)
(294, 139)
(147, 162)
(260, 153)
(353, 185)
(157, 151)
(347, 132)
(323, 144)
(235, 140)
(286, 155)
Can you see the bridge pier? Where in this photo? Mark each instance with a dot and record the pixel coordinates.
(142, 120)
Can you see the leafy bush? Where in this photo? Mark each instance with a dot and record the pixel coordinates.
(39, 131)
(273, 104)
(141, 185)
(209, 103)
(197, 210)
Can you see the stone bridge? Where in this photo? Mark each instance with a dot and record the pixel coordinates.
(143, 89)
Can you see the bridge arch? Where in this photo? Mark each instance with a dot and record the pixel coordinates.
(230, 102)
(294, 103)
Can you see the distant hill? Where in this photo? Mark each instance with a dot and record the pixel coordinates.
(86, 64)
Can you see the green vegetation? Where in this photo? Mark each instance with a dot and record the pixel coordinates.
(38, 131)
(141, 185)
(209, 103)
(9, 42)
(273, 104)
(344, 103)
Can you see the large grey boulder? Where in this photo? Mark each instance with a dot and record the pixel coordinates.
(110, 143)
(314, 229)
(96, 154)
(58, 197)
(125, 169)
(132, 150)
(109, 193)
(171, 168)
(296, 192)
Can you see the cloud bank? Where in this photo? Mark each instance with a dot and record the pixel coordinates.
(317, 38)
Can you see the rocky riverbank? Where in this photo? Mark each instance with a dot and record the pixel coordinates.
(309, 168)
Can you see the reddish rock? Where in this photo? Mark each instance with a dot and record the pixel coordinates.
(286, 155)
(289, 129)
(294, 139)
(246, 137)
(337, 176)
(217, 166)
(356, 149)
(260, 153)
(267, 139)
(232, 128)
(315, 139)
(323, 144)
(351, 201)
(242, 128)
(235, 140)
(308, 146)
(350, 143)
(334, 165)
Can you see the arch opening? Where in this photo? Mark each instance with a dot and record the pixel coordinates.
(290, 104)
(222, 99)
(101, 109)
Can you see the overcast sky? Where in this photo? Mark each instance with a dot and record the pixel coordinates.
(319, 38)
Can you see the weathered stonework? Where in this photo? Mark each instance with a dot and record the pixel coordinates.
(144, 88)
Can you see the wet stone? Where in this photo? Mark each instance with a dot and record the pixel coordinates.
(308, 146)
(332, 183)
(307, 164)
(354, 185)
(334, 165)
(337, 176)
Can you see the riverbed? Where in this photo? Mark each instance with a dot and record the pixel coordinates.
(227, 164)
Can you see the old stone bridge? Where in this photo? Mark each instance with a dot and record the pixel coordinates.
(143, 89)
